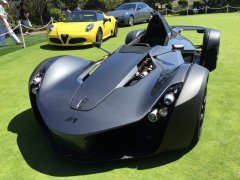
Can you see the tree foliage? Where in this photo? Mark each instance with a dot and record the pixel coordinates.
(42, 10)
(96, 4)
(183, 3)
(221, 3)
(196, 4)
(161, 2)
(36, 8)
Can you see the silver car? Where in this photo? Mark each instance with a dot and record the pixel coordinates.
(131, 13)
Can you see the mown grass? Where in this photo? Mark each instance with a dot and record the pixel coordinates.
(25, 155)
(29, 40)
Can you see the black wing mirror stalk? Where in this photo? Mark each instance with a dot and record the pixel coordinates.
(98, 45)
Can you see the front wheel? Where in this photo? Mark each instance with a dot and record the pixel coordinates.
(115, 32)
(130, 21)
(198, 130)
(99, 37)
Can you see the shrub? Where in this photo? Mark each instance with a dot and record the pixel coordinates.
(169, 6)
(197, 4)
(183, 3)
(56, 14)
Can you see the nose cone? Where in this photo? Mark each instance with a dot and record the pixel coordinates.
(72, 144)
(104, 80)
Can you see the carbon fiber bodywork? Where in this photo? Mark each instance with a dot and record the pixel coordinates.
(93, 111)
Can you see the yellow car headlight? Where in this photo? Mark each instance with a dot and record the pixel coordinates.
(51, 27)
(89, 27)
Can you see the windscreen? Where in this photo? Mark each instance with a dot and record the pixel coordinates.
(81, 16)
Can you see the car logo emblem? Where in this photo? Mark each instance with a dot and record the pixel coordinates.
(81, 103)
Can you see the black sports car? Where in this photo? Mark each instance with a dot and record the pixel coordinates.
(145, 98)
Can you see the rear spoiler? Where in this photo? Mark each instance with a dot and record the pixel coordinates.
(188, 28)
(210, 45)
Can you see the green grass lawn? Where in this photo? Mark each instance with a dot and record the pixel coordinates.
(29, 40)
(24, 153)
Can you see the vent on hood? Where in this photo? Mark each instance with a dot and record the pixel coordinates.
(143, 69)
(90, 70)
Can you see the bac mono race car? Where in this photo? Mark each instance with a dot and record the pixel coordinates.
(145, 98)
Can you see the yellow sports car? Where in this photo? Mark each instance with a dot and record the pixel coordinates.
(82, 28)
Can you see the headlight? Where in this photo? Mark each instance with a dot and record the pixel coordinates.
(153, 116)
(51, 27)
(163, 112)
(89, 27)
(165, 105)
(169, 98)
(36, 83)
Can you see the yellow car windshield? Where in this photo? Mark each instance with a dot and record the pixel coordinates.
(81, 16)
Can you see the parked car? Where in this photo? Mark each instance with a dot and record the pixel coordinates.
(131, 13)
(82, 28)
(145, 98)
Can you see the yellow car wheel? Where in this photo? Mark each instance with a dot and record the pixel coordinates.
(99, 36)
(115, 32)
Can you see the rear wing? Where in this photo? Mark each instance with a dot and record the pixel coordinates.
(210, 45)
(179, 29)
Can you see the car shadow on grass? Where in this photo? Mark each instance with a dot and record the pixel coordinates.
(64, 48)
(49, 47)
(40, 157)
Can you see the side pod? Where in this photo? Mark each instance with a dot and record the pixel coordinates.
(185, 115)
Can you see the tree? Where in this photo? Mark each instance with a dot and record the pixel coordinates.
(220, 3)
(96, 4)
(183, 3)
(40, 5)
(161, 2)
(111, 4)
(72, 3)
(196, 4)
(36, 7)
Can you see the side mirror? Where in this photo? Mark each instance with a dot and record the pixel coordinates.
(98, 45)
(105, 20)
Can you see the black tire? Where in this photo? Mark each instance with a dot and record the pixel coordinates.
(134, 35)
(131, 21)
(115, 32)
(211, 43)
(198, 130)
(99, 37)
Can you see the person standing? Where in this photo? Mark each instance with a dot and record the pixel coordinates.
(77, 8)
(18, 12)
(66, 12)
(2, 32)
(4, 25)
(24, 16)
